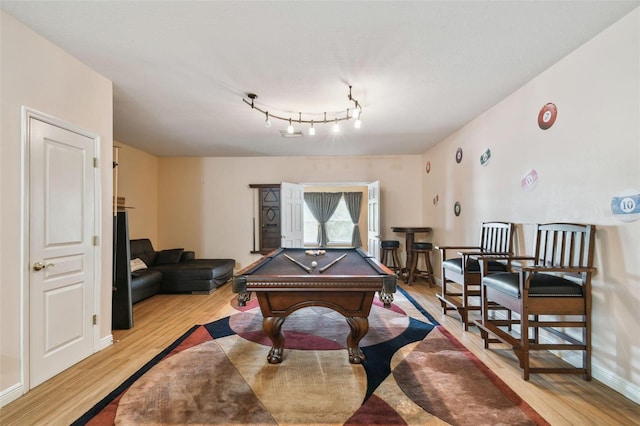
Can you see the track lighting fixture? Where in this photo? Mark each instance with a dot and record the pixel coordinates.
(350, 113)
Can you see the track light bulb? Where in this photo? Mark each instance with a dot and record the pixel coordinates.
(356, 112)
(357, 124)
(290, 128)
(336, 128)
(267, 122)
(312, 130)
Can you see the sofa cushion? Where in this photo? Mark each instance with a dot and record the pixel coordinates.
(196, 275)
(143, 249)
(144, 283)
(186, 271)
(222, 268)
(473, 266)
(541, 285)
(169, 257)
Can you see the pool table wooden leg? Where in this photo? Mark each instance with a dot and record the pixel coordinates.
(272, 327)
(359, 327)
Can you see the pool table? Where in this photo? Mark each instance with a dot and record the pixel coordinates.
(344, 280)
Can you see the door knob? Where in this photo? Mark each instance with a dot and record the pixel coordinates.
(38, 266)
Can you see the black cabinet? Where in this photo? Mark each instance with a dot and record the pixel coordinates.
(121, 303)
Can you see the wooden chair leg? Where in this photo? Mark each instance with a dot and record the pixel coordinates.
(586, 338)
(524, 342)
(414, 267)
(464, 315)
(443, 292)
(484, 315)
(430, 277)
(396, 260)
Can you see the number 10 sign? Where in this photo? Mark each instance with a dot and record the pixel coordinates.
(626, 206)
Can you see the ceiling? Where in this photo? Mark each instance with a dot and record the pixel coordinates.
(421, 70)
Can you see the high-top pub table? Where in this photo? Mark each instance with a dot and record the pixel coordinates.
(344, 280)
(410, 232)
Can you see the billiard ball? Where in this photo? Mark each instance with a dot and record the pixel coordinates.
(314, 264)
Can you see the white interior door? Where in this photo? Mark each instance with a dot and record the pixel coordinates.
(373, 222)
(62, 256)
(291, 225)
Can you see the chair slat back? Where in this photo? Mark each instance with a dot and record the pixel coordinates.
(497, 237)
(565, 245)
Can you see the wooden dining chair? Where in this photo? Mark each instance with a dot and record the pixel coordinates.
(461, 274)
(552, 294)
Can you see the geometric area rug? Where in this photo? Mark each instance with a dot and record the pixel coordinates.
(414, 373)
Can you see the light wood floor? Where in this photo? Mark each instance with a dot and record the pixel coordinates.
(561, 399)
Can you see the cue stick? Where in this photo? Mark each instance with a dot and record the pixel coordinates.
(306, 268)
(324, 268)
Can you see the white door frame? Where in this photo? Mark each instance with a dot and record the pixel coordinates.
(27, 114)
(373, 226)
(291, 200)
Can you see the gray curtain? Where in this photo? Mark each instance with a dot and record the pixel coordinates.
(353, 201)
(322, 206)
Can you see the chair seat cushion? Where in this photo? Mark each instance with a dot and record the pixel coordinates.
(390, 244)
(455, 265)
(422, 246)
(541, 285)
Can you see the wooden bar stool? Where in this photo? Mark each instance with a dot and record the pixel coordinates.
(389, 256)
(423, 249)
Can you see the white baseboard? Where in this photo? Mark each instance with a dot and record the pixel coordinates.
(11, 394)
(606, 377)
(105, 342)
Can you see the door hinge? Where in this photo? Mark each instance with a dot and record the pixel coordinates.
(96, 240)
(95, 162)
(95, 319)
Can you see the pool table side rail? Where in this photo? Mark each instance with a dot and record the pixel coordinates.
(242, 284)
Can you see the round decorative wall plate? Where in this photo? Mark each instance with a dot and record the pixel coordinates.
(457, 208)
(530, 180)
(458, 155)
(484, 158)
(547, 116)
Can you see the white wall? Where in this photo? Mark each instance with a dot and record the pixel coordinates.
(138, 184)
(206, 203)
(590, 154)
(39, 75)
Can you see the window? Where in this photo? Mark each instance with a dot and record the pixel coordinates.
(339, 227)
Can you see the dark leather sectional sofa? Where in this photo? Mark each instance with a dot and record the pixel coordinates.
(175, 271)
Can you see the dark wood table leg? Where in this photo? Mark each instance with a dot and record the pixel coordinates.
(410, 238)
(272, 327)
(359, 328)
